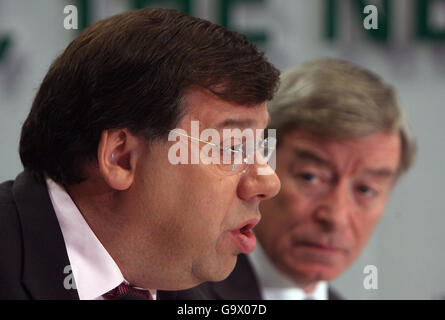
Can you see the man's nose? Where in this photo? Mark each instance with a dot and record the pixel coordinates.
(334, 208)
(260, 182)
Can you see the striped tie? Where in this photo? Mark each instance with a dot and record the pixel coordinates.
(126, 292)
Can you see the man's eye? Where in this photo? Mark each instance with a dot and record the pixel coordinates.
(231, 154)
(367, 191)
(231, 149)
(308, 177)
(236, 147)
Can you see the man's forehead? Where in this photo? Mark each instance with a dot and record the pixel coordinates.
(243, 122)
(377, 154)
(213, 112)
(380, 141)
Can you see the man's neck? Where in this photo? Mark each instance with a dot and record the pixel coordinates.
(98, 204)
(272, 278)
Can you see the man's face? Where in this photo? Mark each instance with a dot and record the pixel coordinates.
(332, 195)
(189, 216)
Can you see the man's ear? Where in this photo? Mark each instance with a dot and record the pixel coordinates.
(117, 155)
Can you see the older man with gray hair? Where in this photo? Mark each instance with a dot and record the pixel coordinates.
(342, 145)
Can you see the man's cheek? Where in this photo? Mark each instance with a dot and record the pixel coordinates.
(289, 198)
(365, 227)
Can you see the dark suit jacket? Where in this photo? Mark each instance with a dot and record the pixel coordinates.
(32, 251)
(241, 284)
(33, 255)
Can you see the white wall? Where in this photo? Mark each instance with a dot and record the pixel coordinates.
(407, 246)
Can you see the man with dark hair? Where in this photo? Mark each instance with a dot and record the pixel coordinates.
(343, 144)
(99, 211)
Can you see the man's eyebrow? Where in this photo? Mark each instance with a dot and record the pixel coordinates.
(380, 173)
(306, 155)
(237, 123)
(241, 123)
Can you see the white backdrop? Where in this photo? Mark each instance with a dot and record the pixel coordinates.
(407, 246)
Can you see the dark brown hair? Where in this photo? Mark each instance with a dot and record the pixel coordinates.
(131, 71)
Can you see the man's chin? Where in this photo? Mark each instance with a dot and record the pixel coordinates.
(226, 271)
(311, 272)
(216, 272)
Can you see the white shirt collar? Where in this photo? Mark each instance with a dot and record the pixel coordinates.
(94, 270)
(275, 285)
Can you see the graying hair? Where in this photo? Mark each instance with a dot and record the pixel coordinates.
(335, 99)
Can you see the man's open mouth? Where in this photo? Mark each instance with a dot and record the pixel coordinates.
(244, 238)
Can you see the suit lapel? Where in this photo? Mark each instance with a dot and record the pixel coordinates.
(166, 295)
(333, 295)
(240, 285)
(44, 252)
